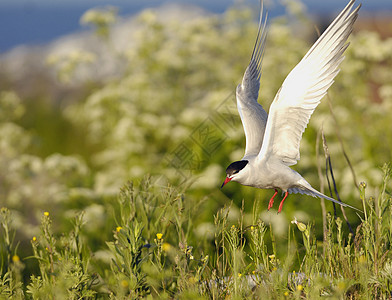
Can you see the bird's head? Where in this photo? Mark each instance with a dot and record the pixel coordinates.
(235, 171)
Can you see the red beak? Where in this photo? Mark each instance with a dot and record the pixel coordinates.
(226, 181)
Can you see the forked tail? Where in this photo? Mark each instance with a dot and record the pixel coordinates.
(308, 190)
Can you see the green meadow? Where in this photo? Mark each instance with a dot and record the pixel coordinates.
(110, 186)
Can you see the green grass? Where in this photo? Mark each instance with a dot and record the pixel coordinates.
(153, 253)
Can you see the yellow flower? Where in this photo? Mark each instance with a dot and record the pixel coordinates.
(34, 238)
(300, 287)
(166, 247)
(46, 214)
(159, 236)
(124, 283)
(118, 228)
(301, 226)
(252, 228)
(286, 293)
(239, 274)
(15, 258)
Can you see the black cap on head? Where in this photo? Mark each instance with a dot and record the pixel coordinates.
(235, 167)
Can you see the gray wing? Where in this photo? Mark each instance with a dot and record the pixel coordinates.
(253, 116)
(303, 89)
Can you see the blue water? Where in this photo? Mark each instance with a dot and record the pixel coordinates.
(40, 21)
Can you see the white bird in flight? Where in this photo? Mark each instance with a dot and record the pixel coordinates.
(272, 141)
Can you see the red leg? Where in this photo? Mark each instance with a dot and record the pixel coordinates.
(281, 203)
(271, 202)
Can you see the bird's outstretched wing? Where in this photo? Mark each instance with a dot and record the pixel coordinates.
(253, 116)
(303, 89)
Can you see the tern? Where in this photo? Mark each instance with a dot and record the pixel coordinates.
(272, 141)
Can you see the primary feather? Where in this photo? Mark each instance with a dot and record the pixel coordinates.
(253, 116)
(303, 89)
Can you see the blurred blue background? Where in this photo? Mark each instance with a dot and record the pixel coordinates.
(39, 21)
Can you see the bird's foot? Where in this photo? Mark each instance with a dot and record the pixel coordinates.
(281, 202)
(271, 202)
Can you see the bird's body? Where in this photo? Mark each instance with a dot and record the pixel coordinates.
(277, 175)
(272, 141)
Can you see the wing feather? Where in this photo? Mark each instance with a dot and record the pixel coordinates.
(253, 116)
(303, 89)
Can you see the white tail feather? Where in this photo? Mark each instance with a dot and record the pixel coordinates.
(314, 193)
